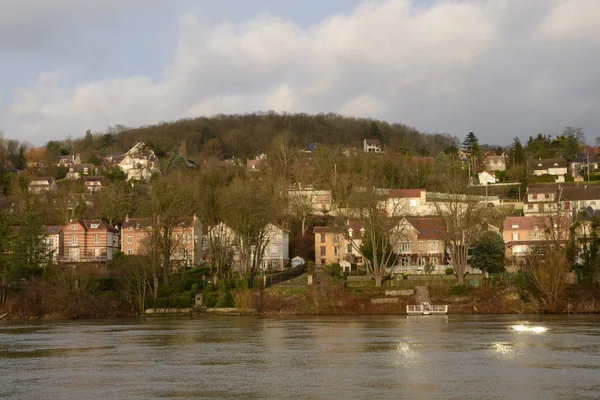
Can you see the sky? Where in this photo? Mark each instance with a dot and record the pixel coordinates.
(499, 68)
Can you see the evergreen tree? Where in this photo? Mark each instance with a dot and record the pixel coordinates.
(488, 253)
(29, 251)
(469, 141)
(374, 131)
(517, 153)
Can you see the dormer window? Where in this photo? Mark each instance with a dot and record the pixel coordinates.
(95, 226)
(540, 165)
(74, 227)
(515, 227)
(556, 164)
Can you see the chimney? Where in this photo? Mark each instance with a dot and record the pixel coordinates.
(127, 218)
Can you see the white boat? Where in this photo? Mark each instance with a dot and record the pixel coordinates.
(426, 309)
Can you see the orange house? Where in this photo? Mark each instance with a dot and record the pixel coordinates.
(186, 243)
(89, 241)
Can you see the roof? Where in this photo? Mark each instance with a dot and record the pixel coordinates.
(356, 226)
(137, 223)
(81, 167)
(53, 230)
(38, 181)
(545, 163)
(94, 178)
(96, 224)
(373, 142)
(532, 242)
(490, 173)
(404, 193)
(580, 193)
(529, 223)
(495, 158)
(541, 189)
(429, 228)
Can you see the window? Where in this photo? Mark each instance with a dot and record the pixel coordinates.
(534, 196)
(186, 238)
(433, 245)
(420, 245)
(322, 238)
(530, 206)
(514, 226)
(74, 240)
(405, 261)
(50, 242)
(404, 247)
(433, 261)
(130, 228)
(274, 251)
(396, 201)
(323, 251)
(349, 248)
(421, 262)
(96, 239)
(537, 235)
(129, 239)
(94, 226)
(336, 237)
(546, 196)
(515, 236)
(413, 202)
(97, 252)
(336, 251)
(74, 227)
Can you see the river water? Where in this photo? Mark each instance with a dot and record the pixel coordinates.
(377, 357)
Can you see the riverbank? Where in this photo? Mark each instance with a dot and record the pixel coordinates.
(331, 298)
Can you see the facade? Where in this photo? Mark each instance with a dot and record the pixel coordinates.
(66, 161)
(420, 244)
(579, 167)
(186, 245)
(54, 241)
(522, 234)
(139, 174)
(94, 183)
(579, 198)
(407, 202)
(320, 200)
(89, 241)
(486, 178)
(42, 185)
(334, 244)
(276, 254)
(540, 200)
(77, 171)
(495, 163)
(549, 166)
(372, 146)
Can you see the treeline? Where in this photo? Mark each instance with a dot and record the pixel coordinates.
(245, 135)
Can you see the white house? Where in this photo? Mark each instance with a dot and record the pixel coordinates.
(372, 146)
(549, 166)
(42, 185)
(276, 254)
(485, 177)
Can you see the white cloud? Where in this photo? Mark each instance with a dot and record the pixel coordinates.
(454, 66)
(574, 19)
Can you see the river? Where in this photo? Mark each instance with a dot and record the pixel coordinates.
(377, 357)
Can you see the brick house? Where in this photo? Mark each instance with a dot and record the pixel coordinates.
(522, 234)
(89, 241)
(420, 243)
(186, 243)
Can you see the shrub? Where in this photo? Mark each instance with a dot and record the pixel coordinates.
(243, 299)
(164, 291)
(210, 296)
(457, 290)
(449, 271)
(227, 301)
(194, 289)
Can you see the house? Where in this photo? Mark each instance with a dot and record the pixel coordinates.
(540, 200)
(333, 244)
(407, 202)
(495, 163)
(89, 241)
(76, 171)
(420, 244)
(186, 244)
(556, 167)
(42, 185)
(54, 241)
(276, 254)
(580, 166)
(139, 174)
(255, 163)
(138, 161)
(67, 161)
(94, 183)
(372, 146)
(321, 201)
(579, 198)
(486, 178)
(522, 234)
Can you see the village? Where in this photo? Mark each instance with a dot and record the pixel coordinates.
(365, 234)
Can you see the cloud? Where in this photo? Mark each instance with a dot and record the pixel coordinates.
(495, 67)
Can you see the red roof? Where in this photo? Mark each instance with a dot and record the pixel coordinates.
(404, 193)
(429, 228)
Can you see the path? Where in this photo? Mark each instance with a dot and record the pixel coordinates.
(421, 294)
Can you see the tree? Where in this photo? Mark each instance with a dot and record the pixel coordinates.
(462, 217)
(94, 160)
(115, 202)
(547, 268)
(301, 208)
(29, 253)
(469, 141)
(517, 153)
(488, 252)
(135, 278)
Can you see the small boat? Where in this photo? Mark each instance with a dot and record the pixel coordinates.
(426, 309)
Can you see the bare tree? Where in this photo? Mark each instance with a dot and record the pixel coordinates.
(547, 268)
(115, 202)
(301, 207)
(135, 273)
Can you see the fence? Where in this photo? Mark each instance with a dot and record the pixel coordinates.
(291, 273)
